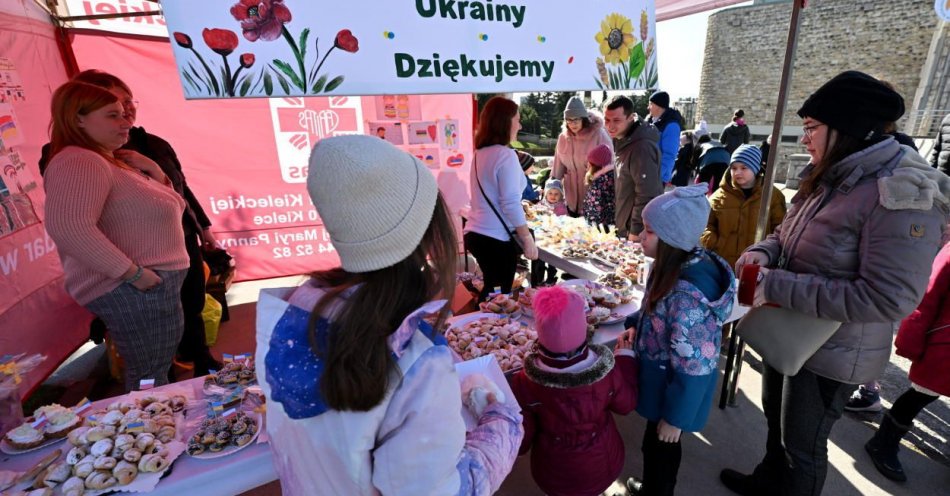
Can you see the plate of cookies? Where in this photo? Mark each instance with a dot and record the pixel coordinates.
(224, 435)
(234, 374)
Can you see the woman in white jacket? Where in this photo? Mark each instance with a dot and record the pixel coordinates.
(363, 398)
(583, 131)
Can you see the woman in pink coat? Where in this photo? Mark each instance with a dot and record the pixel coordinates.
(583, 131)
(924, 339)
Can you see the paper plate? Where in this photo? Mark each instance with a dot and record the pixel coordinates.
(10, 450)
(615, 318)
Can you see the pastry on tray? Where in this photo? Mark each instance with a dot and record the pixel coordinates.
(60, 423)
(24, 437)
(500, 304)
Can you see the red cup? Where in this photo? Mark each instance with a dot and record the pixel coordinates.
(748, 280)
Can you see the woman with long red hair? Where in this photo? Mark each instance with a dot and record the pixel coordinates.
(497, 232)
(116, 222)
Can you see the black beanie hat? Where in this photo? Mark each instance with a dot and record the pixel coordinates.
(525, 159)
(855, 104)
(661, 98)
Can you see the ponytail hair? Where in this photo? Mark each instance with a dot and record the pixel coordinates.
(357, 358)
(666, 270)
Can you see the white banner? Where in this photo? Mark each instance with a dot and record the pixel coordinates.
(253, 48)
(130, 23)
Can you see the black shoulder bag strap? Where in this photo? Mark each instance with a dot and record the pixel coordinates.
(513, 235)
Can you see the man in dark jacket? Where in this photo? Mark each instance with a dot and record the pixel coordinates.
(638, 165)
(667, 121)
(195, 222)
(940, 156)
(712, 163)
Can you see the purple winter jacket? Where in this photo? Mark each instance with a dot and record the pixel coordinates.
(858, 250)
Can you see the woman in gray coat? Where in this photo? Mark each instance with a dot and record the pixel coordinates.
(855, 247)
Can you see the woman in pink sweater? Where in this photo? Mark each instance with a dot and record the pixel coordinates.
(117, 225)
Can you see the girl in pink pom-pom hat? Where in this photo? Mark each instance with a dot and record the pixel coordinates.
(569, 390)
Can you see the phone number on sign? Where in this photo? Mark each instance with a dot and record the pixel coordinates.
(302, 250)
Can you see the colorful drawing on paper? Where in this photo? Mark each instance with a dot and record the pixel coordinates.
(455, 161)
(626, 59)
(449, 134)
(10, 134)
(389, 131)
(428, 156)
(11, 89)
(16, 208)
(398, 107)
(423, 133)
(262, 22)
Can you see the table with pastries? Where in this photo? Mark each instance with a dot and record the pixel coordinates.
(591, 254)
(229, 469)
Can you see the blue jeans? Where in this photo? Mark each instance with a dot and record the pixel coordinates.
(800, 411)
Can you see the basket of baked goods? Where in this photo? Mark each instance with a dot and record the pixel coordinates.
(479, 334)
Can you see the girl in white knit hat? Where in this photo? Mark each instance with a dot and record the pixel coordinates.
(362, 394)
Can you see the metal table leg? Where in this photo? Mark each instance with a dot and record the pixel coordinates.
(734, 386)
(730, 365)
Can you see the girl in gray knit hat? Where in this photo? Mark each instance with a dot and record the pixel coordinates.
(677, 331)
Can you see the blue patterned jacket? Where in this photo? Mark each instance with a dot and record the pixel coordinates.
(678, 343)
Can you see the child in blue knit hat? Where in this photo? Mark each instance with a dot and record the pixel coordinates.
(735, 206)
(677, 331)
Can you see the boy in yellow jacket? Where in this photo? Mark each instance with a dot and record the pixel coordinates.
(735, 206)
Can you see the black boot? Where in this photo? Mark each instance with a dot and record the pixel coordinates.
(738, 482)
(883, 448)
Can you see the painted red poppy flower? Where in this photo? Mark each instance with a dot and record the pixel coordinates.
(220, 41)
(182, 39)
(346, 41)
(247, 60)
(261, 19)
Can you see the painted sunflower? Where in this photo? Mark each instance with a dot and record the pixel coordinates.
(615, 38)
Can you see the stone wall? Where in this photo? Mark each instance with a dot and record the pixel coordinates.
(745, 47)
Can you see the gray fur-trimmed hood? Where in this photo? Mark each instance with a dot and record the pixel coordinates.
(599, 370)
(914, 185)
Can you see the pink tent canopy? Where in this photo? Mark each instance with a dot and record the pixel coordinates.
(671, 9)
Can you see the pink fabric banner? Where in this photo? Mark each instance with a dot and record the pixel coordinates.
(36, 314)
(246, 160)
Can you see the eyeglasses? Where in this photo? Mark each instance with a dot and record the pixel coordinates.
(808, 130)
